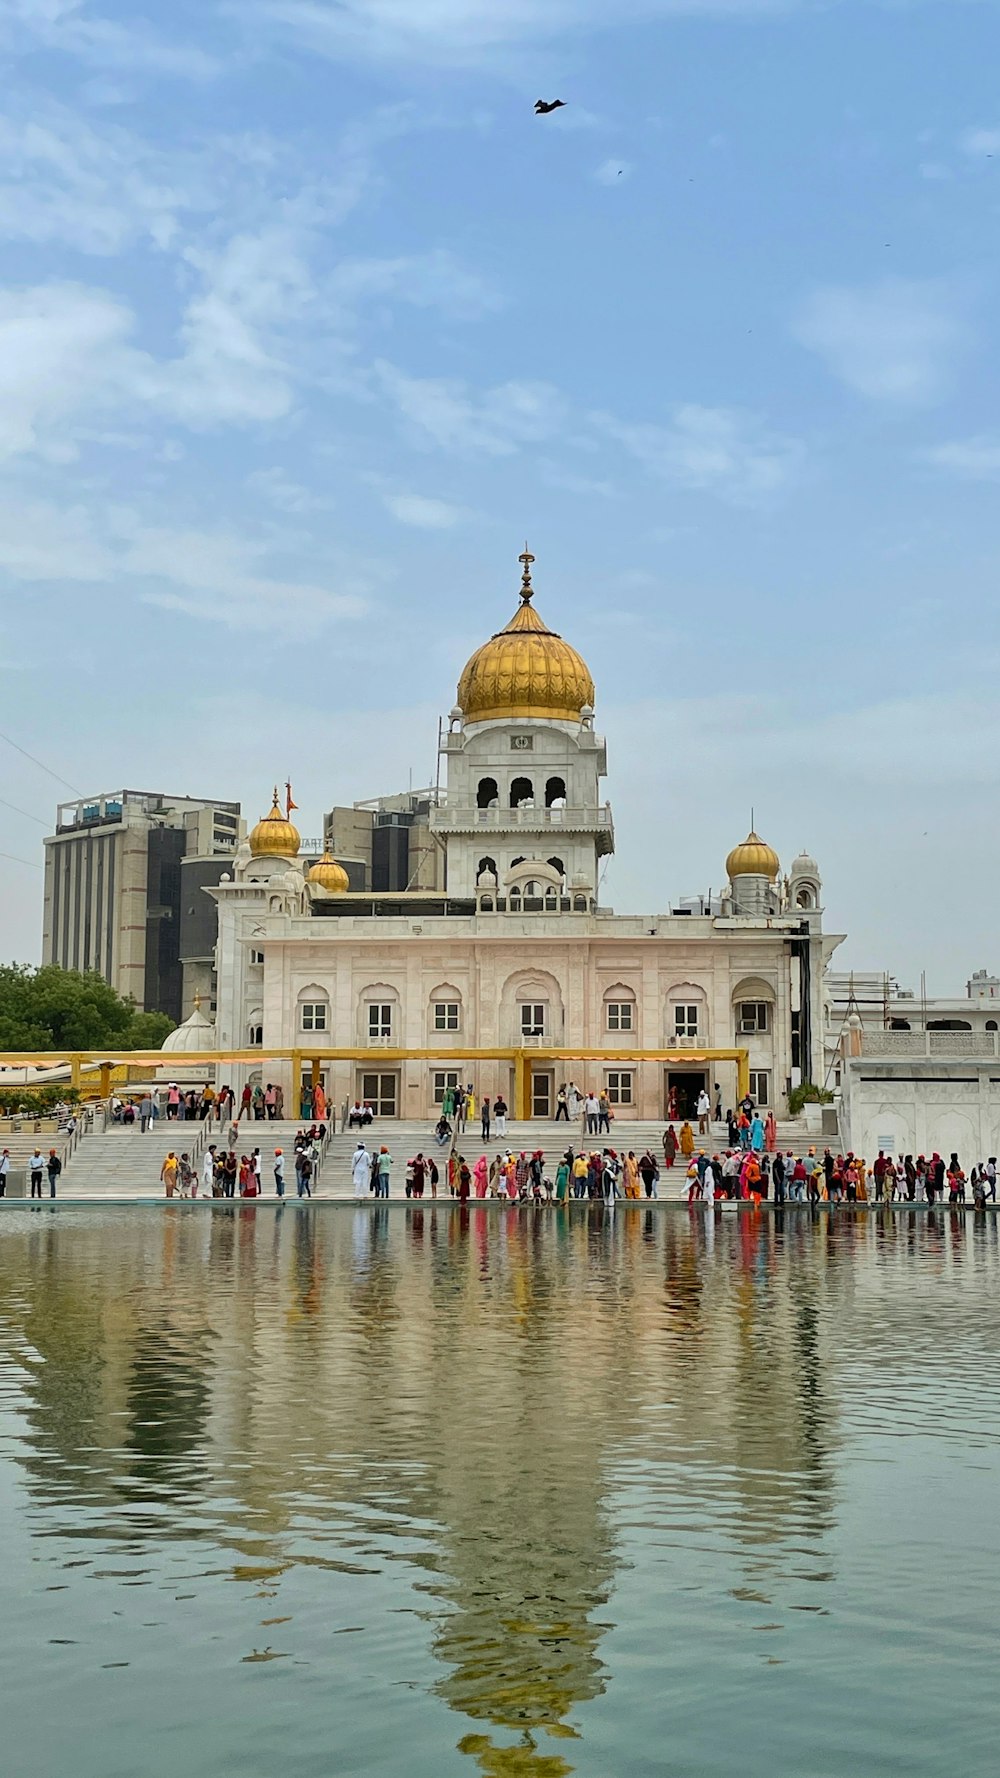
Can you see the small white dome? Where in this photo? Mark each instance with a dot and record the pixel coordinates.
(804, 866)
(196, 1033)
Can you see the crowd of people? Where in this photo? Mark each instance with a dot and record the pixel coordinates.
(223, 1174)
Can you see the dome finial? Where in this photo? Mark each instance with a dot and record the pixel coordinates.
(527, 590)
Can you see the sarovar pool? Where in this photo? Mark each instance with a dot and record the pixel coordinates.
(413, 1492)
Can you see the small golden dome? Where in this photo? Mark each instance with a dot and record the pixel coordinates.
(327, 874)
(525, 670)
(274, 837)
(754, 858)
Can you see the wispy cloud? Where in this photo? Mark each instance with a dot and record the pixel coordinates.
(711, 450)
(424, 512)
(896, 341)
(975, 459)
(980, 142)
(218, 575)
(459, 32)
(447, 413)
(69, 26)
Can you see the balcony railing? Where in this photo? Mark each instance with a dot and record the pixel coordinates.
(596, 817)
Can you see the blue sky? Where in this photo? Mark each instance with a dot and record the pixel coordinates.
(306, 322)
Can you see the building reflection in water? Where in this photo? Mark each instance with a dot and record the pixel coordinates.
(478, 1394)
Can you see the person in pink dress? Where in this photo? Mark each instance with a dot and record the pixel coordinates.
(770, 1132)
(480, 1177)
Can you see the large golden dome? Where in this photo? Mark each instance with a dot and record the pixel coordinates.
(753, 858)
(274, 837)
(525, 670)
(327, 874)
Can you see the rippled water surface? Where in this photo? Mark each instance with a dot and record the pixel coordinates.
(307, 1491)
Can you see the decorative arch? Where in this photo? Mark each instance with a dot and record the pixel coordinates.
(805, 896)
(445, 995)
(555, 793)
(486, 867)
(558, 866)
(522, 791)
(531, 987)
(380, 994)
(685, 1013)
(487, 793)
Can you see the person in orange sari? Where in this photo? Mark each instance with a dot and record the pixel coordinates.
(319, 1105)
(770, 1132)
(687, 1140)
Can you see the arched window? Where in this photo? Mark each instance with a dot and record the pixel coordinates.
(486, 904)
(558, 865)
(446, 1010)
(804, 899)
(255, 1030)
(488, 794)
(486, 867)
(899, 1024)
(948, 1025)
(991, 1024)
(521, 791)
(579, 904)
(620, 1008)
(555, 793)
(313, 1008)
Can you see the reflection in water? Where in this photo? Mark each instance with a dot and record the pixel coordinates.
(471, 1436)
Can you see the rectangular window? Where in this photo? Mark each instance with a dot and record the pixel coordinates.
(256, 956)
(443, 1079)
(753, 1015)
(379, 1020)
(685, 1021)
(532, 1015)
(620, 1088)
(619, 1015)
(314, 1015)
(446, 1015)
(760, 1086)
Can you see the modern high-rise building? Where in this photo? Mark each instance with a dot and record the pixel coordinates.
(388, 844)
(120, 871)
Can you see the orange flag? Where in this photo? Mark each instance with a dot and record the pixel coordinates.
(289, 804)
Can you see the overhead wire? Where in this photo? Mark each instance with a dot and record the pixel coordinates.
(41, 765)
(25, 812)
(15, 860)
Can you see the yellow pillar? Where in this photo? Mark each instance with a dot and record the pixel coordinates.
(105, 1080)
(314, 1066)
(522, 1085)
(296, 1081)
(74, 1072)
(743, 1074)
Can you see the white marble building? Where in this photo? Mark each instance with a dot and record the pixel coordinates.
(517, 954)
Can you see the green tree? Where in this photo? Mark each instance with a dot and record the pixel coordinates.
(64, 1009)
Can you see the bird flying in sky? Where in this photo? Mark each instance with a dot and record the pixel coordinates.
(544, 106)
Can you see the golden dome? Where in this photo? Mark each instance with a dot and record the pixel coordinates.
(754, 858)
(525, 670)
(326, 873)
(274, 837)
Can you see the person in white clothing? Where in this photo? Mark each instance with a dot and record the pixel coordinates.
(361, 1171)
(207, 1173)
(4, 1170)
(704, 1108)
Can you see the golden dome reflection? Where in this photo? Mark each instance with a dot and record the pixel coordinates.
(753, 858)
(327, 874)
(525, 670)
(275, 837)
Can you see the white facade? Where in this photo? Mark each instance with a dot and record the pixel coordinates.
(516, 952)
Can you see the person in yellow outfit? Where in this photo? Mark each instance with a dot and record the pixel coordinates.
(580, 1176)
(631, 1170)
(687, 1140)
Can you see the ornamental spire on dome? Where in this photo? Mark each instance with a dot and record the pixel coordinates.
(527, 590)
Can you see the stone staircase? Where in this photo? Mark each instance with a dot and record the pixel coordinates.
(124, 1163)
